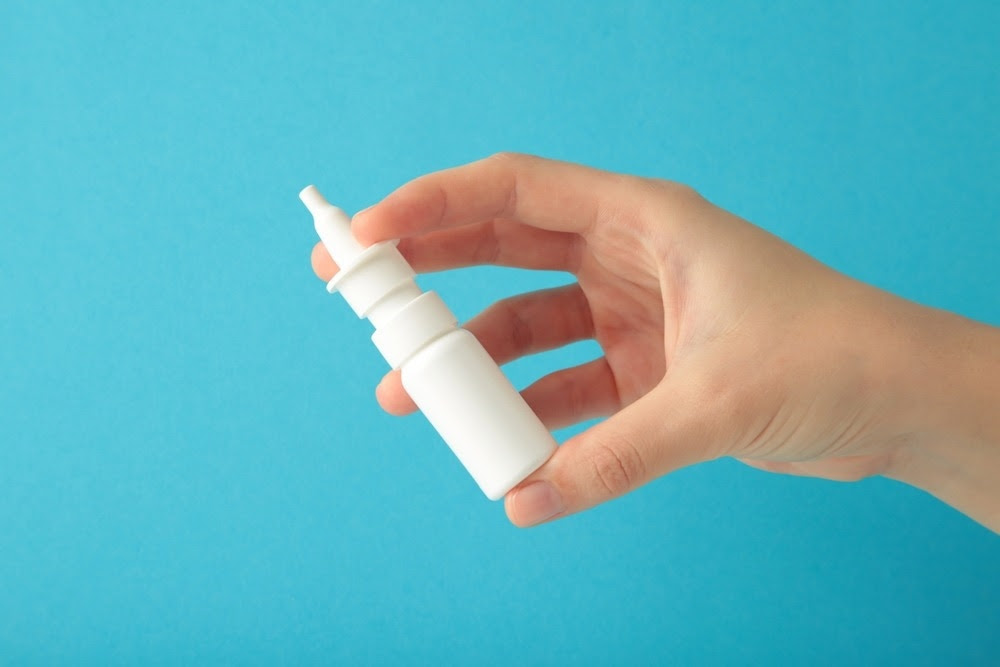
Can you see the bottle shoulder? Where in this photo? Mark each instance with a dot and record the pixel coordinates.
(452, 346)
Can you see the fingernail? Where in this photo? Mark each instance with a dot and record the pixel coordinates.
(358, 225)
(362, 212)
(537, 502)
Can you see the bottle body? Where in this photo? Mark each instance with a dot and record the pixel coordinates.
(451, 378)
(476, 410)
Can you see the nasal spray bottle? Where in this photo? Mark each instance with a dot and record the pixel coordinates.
(444, 368)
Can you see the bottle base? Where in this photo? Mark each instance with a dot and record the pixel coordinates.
(500, 491)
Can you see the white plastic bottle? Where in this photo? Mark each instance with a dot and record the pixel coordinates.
(444, 368)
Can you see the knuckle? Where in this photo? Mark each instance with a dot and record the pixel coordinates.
(508, 156)
(488, 248)
(511, 165)
(520, 331)
(508, 307)
(509, 315)
(674, 191)
(575, 397)
(617, 467)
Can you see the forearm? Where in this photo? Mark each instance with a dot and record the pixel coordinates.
(953, 402)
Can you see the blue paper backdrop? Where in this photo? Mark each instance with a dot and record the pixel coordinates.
(192, 465)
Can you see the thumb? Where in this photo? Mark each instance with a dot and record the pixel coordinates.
(659, 433)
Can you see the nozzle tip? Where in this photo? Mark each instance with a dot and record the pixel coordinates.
(313, 198)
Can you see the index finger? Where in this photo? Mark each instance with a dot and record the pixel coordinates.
(543, 193)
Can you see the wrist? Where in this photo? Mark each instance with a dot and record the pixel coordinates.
(948, 380)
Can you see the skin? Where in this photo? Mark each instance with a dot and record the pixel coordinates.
(719, 339)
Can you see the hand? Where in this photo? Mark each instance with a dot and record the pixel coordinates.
(719, 339)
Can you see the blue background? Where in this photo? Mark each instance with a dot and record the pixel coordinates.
(192, 465)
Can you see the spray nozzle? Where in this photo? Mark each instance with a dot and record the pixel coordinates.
(333, 227)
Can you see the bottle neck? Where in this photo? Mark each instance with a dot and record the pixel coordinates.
(413, 326)
(380, 313)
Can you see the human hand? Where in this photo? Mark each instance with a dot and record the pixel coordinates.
(719, 339)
